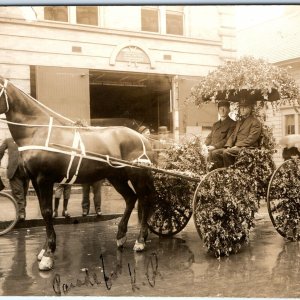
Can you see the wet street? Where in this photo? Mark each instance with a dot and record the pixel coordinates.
(88, 262)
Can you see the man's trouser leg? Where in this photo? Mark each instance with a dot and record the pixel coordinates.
(229, 156)
(97, 195)
(85, 203)
(18, 192)
(216, 157)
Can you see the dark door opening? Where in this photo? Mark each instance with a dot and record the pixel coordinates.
(140, 97)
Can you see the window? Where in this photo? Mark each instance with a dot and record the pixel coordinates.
(56, 13)
(174, 23)
(87, 15)
(149, 20)
(289, 124)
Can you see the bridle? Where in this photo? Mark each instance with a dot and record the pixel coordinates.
(3, 91)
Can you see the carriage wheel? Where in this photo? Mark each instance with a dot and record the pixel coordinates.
(169, 219)
(202, 188)
(283, 199)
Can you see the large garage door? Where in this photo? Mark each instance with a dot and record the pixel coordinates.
(65, 90)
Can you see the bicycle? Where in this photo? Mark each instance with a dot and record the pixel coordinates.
(8, 212)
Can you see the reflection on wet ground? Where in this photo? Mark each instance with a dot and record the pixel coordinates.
(87, 257)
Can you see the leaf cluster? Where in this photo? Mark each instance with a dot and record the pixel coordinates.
(186, 158)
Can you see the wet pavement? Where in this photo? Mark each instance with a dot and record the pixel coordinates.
(88, 262)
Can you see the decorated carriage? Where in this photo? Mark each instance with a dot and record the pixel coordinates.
(223, 202)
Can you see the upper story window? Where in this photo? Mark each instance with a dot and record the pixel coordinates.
(56, 13)
(87, 15)
(149, 19)
(174, 22)
(290, 124)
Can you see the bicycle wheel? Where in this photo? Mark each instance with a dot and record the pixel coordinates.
(284, 201)
(8, 213)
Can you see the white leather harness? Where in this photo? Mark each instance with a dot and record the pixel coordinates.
(77, 145)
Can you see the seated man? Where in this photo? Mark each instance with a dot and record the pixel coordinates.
(246, 134)
(220, 133)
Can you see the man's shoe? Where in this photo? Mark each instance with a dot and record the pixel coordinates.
(66, 214)
(55, 214)
(99, 212)
(85, 212)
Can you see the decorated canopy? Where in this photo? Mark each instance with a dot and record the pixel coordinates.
(250, 78)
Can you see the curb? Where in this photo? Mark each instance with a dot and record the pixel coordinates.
(72, 220)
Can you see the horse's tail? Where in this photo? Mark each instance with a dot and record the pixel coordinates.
(147, 203)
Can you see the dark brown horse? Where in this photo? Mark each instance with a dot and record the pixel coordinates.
(39, 132)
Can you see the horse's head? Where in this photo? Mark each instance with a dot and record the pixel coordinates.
(4, 107)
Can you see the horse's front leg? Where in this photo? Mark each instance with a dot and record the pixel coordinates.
(44, 193)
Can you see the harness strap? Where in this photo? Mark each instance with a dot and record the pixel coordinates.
(4, 86)
(109, 163)
(143, 158)
(50, 149)
(77, 143)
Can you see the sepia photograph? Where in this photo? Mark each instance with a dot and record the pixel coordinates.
(150, 150)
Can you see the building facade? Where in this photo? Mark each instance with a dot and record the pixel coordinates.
(118, 62)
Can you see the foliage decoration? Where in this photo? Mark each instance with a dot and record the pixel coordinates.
(224, 211)
(174, 195)
(247, 73)
(227, 199)
(187, 159)
(284, 199)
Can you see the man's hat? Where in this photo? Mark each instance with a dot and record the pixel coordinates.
(223, 103)
(246, 102)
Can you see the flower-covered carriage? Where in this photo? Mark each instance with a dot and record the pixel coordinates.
(224, 202)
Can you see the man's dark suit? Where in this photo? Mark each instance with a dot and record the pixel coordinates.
(220, 133)
(18, 181)
(218, 136)
(246, 134)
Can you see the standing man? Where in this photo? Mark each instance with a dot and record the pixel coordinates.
(16, 174)
(65, 190)
(246, 134)
(220, 133)
(96, 186)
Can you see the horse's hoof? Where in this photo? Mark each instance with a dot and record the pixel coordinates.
(121, 242)
(46, 263)
(139, 246)
(41, 254)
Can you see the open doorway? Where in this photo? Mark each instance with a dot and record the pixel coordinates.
(118, 98)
